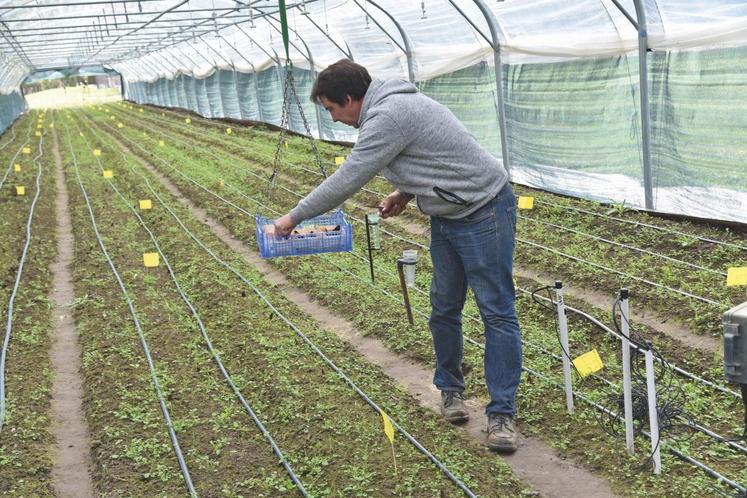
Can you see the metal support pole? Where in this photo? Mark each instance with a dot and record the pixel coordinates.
(494, 28)
(653, 413)
(627, 382)
(563, 328)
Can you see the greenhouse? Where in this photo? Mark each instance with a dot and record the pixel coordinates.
(373, 248)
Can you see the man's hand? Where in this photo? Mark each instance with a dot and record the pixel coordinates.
(393, 204)
(284, 226)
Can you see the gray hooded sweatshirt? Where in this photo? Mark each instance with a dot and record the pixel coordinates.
(420, 147)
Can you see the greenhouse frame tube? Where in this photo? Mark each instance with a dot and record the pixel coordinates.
(405, 39)
(493, 25)
(653, 412)
(648, 190)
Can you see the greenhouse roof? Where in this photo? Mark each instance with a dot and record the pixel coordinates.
(417, 40)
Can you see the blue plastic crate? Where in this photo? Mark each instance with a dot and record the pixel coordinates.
(307, 240)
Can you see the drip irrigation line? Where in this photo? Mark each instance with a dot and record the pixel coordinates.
(215, 355)
(693, 461)
(518, 239)
(412, 242)
(457, 482)
(12, 161)
(141, 335)
(626, 246)
(641, 224)
(16, 284)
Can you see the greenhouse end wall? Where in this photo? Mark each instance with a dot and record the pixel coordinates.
(573, 127)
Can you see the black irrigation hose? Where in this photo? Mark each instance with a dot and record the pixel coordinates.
(216, 356)
(412, 242)
(313, 346)
(11, 300)
(646, 225)
(12, 161)
(475, 343)
(141, 336)
(539, 246)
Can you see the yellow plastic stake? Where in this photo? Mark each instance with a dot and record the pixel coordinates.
(389, 431)
(145, 204)
(20, 190)
(81, 133)
(39, 126)
(27, 150)
(17, 168)
(38, 134)
(736, 276)
(222, 184)
(96, 152)
(140, 109)
(51, 125)
(161, 143)
(229, 131)
(150, 259)
(120, 125)
(526, 202)
(187, 120)
(162, 114)
(113, 117)
(108, 173)
(588, 363)
(286, 144)
(339, 160)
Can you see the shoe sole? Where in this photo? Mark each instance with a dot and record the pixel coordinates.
(458, 419)
(503, 448)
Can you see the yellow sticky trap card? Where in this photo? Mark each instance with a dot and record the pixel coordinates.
(150, 259)
(339, 160)
(38, 134)
(20, 190)
(108, 173)
(113, 117)
(96, 152)
(51, 125)
(140, 109)
(588, 363)
(526, 202)
(161, 143)
(162, 114)
(39, 126)
(145, 204)
(81, 133)
(736, 276)
(187, 120)
(17, 168)
(229, 131)
(27, 150)
(120, 125)
(222, 184)
(286, 144)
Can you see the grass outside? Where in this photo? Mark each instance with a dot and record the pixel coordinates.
(56, 98)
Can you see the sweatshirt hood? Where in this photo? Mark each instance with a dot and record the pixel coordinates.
(381, 89)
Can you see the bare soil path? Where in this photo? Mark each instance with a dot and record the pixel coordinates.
(71, 472)
(538, 464)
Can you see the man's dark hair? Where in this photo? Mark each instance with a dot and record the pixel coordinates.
(339, 80)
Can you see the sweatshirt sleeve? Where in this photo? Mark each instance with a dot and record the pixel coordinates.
(379, 141)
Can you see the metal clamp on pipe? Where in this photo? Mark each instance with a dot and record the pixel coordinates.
(735, 351)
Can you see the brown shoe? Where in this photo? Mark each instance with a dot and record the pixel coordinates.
(501, 433)
(452, 407)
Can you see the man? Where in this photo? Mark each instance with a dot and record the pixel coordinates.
(421, 148)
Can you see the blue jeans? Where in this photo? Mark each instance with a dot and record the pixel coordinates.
(477, 250)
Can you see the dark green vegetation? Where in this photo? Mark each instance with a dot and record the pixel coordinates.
(25, 439)
(236, 168)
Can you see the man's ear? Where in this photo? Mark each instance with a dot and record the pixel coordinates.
(348, 100)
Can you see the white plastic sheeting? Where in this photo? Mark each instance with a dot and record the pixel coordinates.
(569, 77)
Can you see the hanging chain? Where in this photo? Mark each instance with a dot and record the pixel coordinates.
(290, 86)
